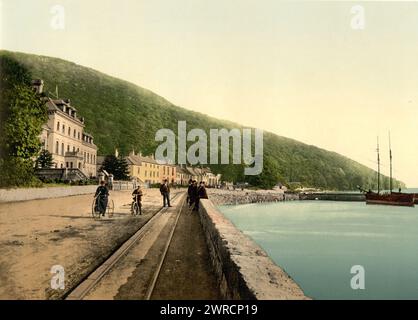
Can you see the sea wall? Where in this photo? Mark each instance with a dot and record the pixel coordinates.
(21, 194)
(333, 196)
(243, 269)
(225, 197)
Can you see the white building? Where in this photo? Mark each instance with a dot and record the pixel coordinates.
(64, 136)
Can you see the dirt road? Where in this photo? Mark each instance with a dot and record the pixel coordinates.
(185, 274)
(36, 235)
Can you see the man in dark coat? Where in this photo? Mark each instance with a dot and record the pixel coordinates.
(101, 195)
(193, 195)
(165, 192)
(201, 194)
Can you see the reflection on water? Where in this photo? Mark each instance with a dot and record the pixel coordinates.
(317, 243)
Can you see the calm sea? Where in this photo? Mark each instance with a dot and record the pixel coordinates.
(318, 242)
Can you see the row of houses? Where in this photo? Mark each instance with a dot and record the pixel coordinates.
(146, 170)
(73, 149)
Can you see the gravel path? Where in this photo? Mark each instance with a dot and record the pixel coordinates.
(39, 234)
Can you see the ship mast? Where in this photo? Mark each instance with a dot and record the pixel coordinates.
(390, 157)
(378, 167)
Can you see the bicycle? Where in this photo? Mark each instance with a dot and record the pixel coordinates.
(136, 208)
(110, 208)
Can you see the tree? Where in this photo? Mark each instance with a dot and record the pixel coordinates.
(27, 115)
(116, 166)
(12, 74)
(22, 115)
(269, 177)
(44, 160)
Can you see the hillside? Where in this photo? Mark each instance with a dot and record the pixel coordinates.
(123, 115)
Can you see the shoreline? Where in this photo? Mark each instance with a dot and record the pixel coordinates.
(221, 197)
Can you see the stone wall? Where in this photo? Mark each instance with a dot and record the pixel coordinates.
(243, 269)
(224, 197)
(13, 195)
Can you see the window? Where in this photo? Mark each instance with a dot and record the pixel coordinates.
(74, 134)
(73, 149)
(62, 149)
(71, 165)
(69, 131)
(66, 164)
(79, 165)
(63, 128)
(58, 126)
(62, 165)
(57, 147)
(68, 148)
(138, 171)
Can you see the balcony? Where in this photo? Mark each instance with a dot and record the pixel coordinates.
(74, 154)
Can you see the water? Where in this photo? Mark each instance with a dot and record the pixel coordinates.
(317, 243)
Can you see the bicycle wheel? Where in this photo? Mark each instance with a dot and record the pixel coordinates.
(133, 208)
(95, 214)
(110, 208)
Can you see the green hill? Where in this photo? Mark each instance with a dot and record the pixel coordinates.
(123, 115)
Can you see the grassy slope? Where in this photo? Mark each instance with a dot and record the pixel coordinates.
(121, 114)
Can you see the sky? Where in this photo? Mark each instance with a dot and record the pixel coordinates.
(307, 70)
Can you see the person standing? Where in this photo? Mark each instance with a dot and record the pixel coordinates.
(193, 195)
(165, 192)
(110, 182)
(201, 194)
(137, 198)
(189, 192)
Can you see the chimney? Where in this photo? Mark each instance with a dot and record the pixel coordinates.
(38, 85)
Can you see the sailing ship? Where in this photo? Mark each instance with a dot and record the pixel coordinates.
(391, 198)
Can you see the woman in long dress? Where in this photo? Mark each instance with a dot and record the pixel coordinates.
(102, 194)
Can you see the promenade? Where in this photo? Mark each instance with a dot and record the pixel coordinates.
(170, 253)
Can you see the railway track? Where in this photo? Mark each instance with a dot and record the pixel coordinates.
(93, 279)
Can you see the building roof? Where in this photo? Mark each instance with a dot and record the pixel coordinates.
(182, 170)
(138, 159)
(58, 106)
(193, 171)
